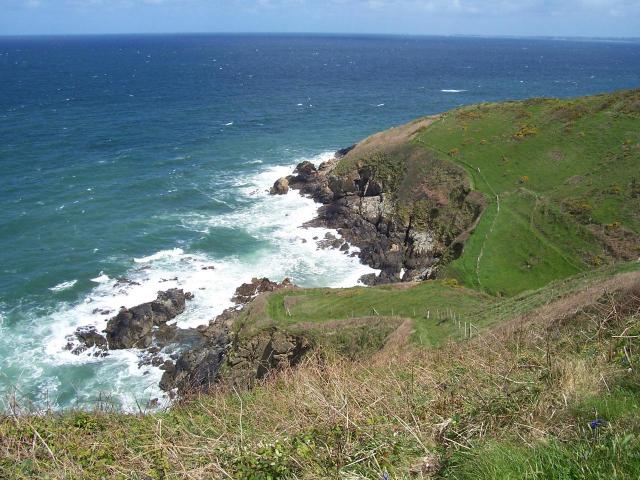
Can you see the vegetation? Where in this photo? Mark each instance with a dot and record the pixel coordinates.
(520, 362)
(559, 179)
(552, 394)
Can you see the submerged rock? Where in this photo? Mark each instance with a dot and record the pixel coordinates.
(87, 337)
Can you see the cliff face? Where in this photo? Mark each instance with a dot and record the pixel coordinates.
(407, 210)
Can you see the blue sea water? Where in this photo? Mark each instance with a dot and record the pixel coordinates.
(149, 156)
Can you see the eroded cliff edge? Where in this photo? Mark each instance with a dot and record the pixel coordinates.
(407, 210)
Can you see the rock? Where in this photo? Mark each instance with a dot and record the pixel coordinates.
(393, 239)
(428, 466)
(305, 171)
(257, 357)
(343, 151)
(132, 328)
(368, 279)
(330, 241)
(124, 281)
(197, 368)
(209, 267)
(248, 291)
(88, 337)
(280, 187)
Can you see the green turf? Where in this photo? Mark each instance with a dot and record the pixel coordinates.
(432, 306)
(558, 170)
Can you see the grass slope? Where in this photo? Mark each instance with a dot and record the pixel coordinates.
(561, 178)
(513, 402)
(555, 320)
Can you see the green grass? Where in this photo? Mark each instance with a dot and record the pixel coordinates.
(610, 455)
(573, 172)
(562, 184)
(435, 307)
(511, 404)
(431, 305)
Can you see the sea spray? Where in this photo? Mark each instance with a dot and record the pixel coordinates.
(288, 250)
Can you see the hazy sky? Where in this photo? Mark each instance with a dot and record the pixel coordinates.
(612, 18)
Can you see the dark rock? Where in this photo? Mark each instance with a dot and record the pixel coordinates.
(87, 337)
(132, 328)
(124, 281)
(343, 151)
(209, 267)
(264, 353)
(368, 279)
(344, 247)
(358, 205)
(305, 171)
(197, 368)
(248, 291)
(330, 241)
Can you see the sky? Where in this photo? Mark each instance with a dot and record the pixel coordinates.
(583, 18)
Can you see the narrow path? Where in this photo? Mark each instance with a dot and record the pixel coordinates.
(491, 189)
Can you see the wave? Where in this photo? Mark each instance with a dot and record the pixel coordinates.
(452, 91)
(102, 278)
(281, 248)
(63, 286)
(175, 252)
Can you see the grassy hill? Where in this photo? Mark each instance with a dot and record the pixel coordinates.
(562, 178)
(520, 361)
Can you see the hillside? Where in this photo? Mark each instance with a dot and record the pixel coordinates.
(499, 341)
(559, 181)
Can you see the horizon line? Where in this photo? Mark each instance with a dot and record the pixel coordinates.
(332, 34)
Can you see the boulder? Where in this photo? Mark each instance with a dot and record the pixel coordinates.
(132, 328)
(280, 187)
(305, 171)
(87, 337)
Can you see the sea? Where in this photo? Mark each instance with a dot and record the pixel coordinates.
(148, 158)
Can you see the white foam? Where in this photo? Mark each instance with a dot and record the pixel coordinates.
(63, 286)
(284, 249)
(102, 278)
(450, 90)
(175, 252)
(228, 124)
(380, 105)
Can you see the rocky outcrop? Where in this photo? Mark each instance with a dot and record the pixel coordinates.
(137, 327)
(406, 225)
(262, 354)
(197, 368)
(87, 337)
(280, 187)
(248, 291)
(133, 328)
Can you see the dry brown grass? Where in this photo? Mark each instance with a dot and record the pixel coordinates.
(390, 139)
(344, 419)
